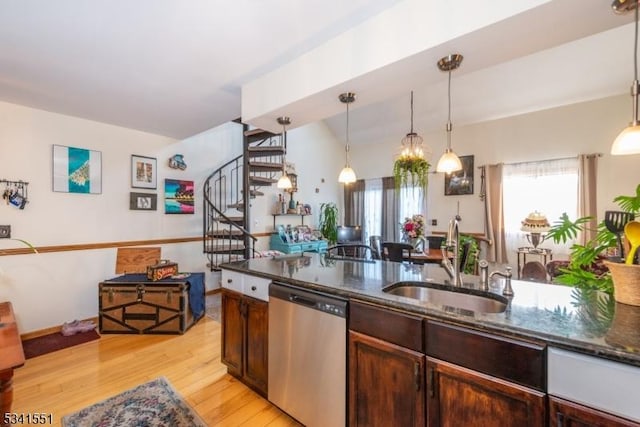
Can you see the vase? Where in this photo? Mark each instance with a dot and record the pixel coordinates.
(626, 282)
(417, 243)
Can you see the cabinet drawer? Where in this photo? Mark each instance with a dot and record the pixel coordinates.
(517, 361)
(392, 326)
(256, 287)
(309, 247)
(232, 280)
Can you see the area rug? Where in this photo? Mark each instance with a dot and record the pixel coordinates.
(53, 342)
(153, 404)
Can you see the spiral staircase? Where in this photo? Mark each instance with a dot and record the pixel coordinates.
(227, 197)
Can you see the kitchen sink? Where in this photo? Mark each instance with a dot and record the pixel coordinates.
(451, 298)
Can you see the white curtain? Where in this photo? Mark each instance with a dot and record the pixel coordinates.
(549, 187)
(372, 208)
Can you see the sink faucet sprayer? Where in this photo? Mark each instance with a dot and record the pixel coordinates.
(508, 290)
(452, 243)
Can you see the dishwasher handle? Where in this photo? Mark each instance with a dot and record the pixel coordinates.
(302, 300)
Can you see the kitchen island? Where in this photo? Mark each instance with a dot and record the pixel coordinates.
(542, 327)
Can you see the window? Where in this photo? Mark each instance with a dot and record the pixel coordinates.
(410, 201)
(549, 187)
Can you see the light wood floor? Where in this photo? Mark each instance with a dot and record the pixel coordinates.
(65, 381)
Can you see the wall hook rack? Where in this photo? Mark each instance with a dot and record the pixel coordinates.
(15, 193)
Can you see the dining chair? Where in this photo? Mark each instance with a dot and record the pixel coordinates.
(436, 242)
(376, 244)
(393, 251)
(534, 271)
(350, 250)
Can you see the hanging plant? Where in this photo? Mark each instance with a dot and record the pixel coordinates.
(411, 172)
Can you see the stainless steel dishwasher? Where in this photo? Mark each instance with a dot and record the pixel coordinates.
(307, 355)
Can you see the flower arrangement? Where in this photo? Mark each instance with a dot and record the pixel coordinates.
(413, 227)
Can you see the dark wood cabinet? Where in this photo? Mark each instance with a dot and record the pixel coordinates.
(458, 396)
(386, 367)
(564, 413)
(386, 383)
(245, 339)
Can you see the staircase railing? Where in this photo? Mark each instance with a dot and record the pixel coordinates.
(227, 237)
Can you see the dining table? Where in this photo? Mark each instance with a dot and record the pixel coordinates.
(427, 256)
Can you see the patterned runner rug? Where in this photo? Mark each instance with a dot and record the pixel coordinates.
(153, 404)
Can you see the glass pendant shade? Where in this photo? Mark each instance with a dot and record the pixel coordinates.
(449, 162)
(347, 175)
(628, 142)
(284, 182)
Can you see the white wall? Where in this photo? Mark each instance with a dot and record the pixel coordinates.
(47, 289)
(588, 127)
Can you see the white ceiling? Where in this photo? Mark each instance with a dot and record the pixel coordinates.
(176, 68)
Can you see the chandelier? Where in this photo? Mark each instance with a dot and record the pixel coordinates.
(411, 168)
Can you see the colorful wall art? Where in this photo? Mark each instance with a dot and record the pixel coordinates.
(77, 170)
(178, 197)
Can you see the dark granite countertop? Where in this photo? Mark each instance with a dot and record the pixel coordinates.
(588, 322)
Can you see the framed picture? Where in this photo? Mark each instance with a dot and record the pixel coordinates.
(144, 171)
(77, 170)
(460, 182)
(143, 201)
(178, 197)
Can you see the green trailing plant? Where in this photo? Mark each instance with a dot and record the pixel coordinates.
(329, 222)
(474, 250)
(583, 271)
(411, 172)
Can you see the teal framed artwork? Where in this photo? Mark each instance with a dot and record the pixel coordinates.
(77, 170)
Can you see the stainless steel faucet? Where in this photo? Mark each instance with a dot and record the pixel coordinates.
(452, 244)
(508, 290)
(484, 274)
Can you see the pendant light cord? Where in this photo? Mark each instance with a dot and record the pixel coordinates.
(449, 124)
(346, 148)
(635, 89)
(284, 156)
(411, 112)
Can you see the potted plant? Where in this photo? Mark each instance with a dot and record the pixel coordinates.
(329, 222)
(411, 171)
(587, 267)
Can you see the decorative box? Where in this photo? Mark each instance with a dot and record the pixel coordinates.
(162, 270)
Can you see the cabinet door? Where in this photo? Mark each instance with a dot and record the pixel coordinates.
(232, 331)
(386, 383)
(563, 413)
(256, 351)
(458, 396)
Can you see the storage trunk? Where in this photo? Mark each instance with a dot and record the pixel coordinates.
(144, 307)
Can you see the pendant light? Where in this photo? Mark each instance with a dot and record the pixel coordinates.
(449, 162)
(284, 182)
(628, 141)
(347, 175)
(410, 168)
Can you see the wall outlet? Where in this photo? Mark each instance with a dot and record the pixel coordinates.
(434, 222)
(5, 231)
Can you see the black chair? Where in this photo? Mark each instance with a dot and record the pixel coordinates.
(351, 251)
(436, 242)
(376, 244)
(392, 251)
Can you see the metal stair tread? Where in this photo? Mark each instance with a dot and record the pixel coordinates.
(265, 166)
(254, 135)
(262, 180)
(228, 219)
(264, 151)
(225, 234)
